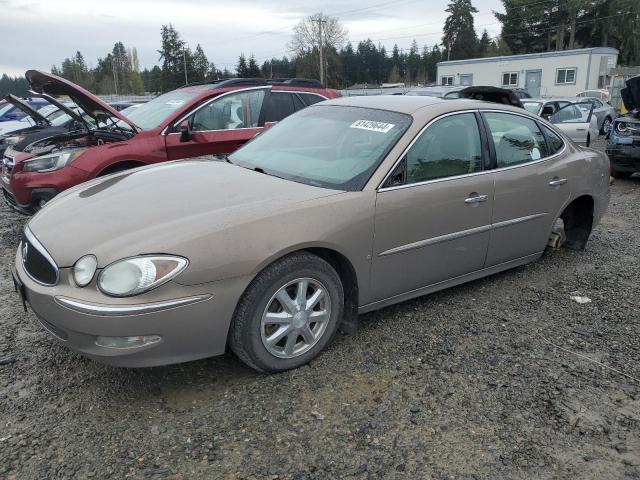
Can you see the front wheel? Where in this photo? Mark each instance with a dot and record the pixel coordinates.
(288, 314)
(605, 126)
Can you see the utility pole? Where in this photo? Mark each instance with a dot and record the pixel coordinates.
(321, 47)
(115, 75)
(184, 62)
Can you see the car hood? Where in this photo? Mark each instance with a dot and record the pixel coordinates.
(26, 108)
(492, 94)
(49, 84)
(631, 94)
(171, 208)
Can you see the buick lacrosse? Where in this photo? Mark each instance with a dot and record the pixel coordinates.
(342, 208)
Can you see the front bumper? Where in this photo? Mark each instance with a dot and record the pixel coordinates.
(192, 321)
(624, 153)
(25, 191)
(38, 195)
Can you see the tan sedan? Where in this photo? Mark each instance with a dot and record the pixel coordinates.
(342, 208)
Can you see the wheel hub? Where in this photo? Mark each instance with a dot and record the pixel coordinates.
(300, 319)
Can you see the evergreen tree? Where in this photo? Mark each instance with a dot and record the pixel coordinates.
(201, 65)
(459, 35)
(242, 69)
(172, 55)
(252, 68)
(484, 44)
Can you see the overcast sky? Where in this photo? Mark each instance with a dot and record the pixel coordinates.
(39, 33)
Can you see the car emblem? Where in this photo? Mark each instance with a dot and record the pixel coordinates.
(25, 249)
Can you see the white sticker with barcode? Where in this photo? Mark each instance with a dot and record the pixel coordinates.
(372, 126)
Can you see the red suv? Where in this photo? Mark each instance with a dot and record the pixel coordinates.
(193, 121)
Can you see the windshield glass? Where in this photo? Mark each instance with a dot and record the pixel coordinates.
(154, 112)
(533, 107)
(327, 146)
(4, 108)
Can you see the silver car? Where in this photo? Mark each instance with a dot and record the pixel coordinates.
(572, 115)
(340, 209)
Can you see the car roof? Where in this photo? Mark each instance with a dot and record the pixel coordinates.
(417, 106)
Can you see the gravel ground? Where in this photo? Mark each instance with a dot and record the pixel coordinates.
(494, 379)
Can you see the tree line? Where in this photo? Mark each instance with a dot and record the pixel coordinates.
(527, 26)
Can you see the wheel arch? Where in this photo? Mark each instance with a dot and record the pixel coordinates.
(578, 219)
(343, 266)
(119, 166)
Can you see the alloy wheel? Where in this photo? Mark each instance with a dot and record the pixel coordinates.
(295, 318)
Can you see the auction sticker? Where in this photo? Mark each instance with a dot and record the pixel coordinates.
(372, 126)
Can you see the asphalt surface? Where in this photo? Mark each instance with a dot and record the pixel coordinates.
(505, 377)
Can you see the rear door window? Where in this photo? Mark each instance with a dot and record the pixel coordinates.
(279, 106)
(310, 98)
(517, 139)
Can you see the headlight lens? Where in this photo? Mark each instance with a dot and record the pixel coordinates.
(627, 128)
(49, 163)
(133, 276)
(84, 269)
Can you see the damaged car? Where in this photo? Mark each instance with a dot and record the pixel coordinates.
(623, 140)
(193, 121)
(342, 208)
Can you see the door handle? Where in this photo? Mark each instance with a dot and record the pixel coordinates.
(556, 182)
(475, 198)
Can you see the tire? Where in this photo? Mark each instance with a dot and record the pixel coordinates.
(619, 174)
(605, 125)
(248, 334)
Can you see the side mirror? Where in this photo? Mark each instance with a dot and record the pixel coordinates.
(185, 131)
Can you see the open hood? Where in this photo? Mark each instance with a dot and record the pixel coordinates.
(49, 84)
(492, 94)
(28, 109)
(631, 94)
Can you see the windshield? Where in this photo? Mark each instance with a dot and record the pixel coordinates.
(327, 146)
(153, 113)
(5, 108)
(532, 107)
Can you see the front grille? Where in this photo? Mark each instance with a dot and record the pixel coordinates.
(36, 260)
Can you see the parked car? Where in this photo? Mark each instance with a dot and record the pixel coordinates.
(575, 119)
(25, 116)
(272, 249)
(441, 91)
(10, 112)
(623, 140)
(198, 120)
(56, 123)
(602, 95)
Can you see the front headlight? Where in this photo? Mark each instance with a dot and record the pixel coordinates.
(627, 128)
(133, 276)
(51, 162)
